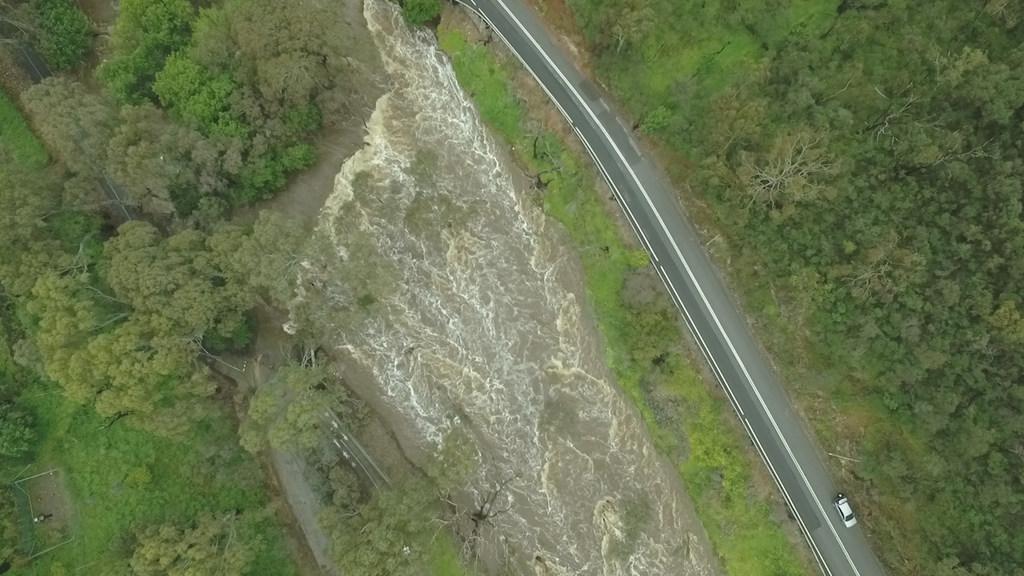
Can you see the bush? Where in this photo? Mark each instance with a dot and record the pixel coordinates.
(64, 32)
(197, 96)
(16, 431)
(420, 12)
(264, 174)
(147, 32)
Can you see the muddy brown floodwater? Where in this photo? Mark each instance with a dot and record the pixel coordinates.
(444, 285)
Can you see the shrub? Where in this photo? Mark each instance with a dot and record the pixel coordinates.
(64, 32)
(420, 12)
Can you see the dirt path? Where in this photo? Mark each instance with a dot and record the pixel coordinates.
(304, 505)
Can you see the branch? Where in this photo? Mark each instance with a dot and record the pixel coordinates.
(114, 419)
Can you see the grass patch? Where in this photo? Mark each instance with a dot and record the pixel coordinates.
(682, 53)
(121, 480)
(443, 559)
(688, 419)
(17, 139)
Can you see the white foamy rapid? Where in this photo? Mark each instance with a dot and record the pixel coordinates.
(476, 322)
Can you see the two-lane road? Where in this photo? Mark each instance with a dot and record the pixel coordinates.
(694, 285)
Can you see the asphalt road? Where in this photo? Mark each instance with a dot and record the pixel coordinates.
(677, 254)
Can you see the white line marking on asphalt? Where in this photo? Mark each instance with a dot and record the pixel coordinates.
(703, 344)
(686, 265)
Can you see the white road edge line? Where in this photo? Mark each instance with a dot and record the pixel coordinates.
(686, 265)
(705, 351)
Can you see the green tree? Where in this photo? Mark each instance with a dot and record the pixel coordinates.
(9, 533)
(163, 167)
(288, 55)
(29, 201)
(16, 431)
(289, 412)
(121, 365)
(74, 122)
(389, 535)
(214, 545)
(65, 33)
(130, 345)
(267, 257)
(146, 33)
(421, 12)
(176, 284)
(198, 96)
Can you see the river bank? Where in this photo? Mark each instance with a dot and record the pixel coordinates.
(655, 363)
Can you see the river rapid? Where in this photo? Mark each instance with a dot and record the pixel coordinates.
(440, 278)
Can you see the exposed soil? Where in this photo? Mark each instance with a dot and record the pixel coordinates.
(101, 12)
(13, 79)
(306, 192)
(51, 508)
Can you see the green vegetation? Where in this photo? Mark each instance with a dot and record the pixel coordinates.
(19, 145)
(65, 34)
(861, 161)
(421, 12)
(288, 412)
(214, 546)
(147, 32)
(127, 321)
(124, 482)
(127, 281)
(398, 530)
(17, 434)
(226, 98)
(689, 422)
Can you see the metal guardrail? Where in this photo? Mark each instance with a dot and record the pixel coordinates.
(354, 453)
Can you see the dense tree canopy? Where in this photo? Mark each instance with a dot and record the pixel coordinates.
(387, 536)
(124, 282)
(147, 32)
(16, 432)
(167, 168)
(74, 122)
(9, 535)
(213, 546)
(863, 159)
(420, 12)
(28, 202)
(245, 82)
(64, 33)
(289, 412)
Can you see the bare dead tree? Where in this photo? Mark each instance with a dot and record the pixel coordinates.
(893, 112)
(1003, 9)
(489, 507)
(210, 357)
(876, 273)
(539, 154)
(976, 152)
(113, 419)
(791, 169)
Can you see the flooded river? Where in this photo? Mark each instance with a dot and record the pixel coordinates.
(443, 281)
